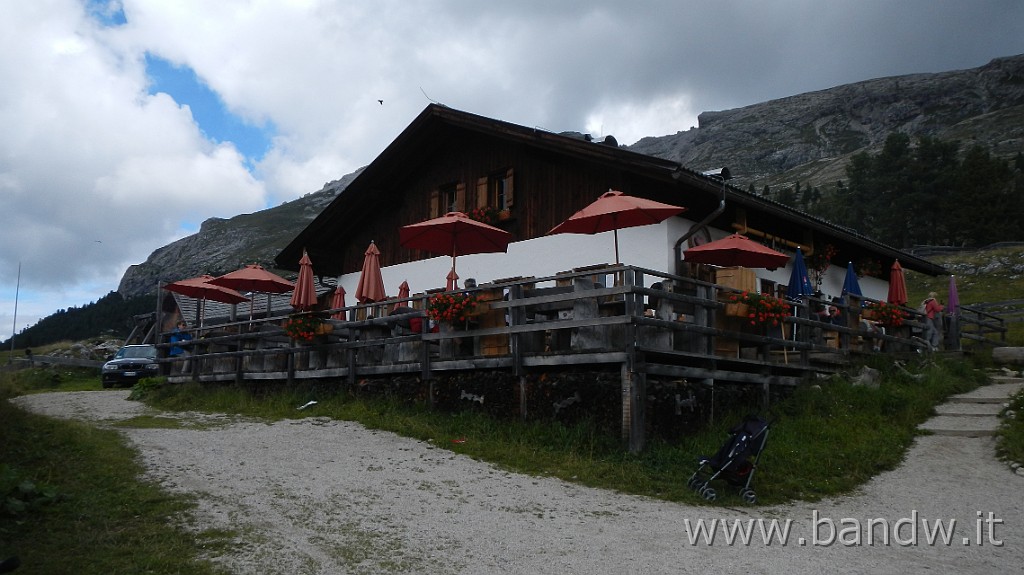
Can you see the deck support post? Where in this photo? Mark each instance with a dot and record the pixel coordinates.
(634, 392)
(291, 364)
(351, 357)
(522, 397)
(516, 317)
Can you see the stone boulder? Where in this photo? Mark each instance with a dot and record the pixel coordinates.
(1008, 355)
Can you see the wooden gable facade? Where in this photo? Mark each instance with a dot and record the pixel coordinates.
(452, 160)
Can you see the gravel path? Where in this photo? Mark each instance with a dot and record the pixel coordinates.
(317, 496)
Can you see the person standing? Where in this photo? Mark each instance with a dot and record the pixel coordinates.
(933, 320)
(178, 336)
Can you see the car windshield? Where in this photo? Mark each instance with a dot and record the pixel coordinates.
(139, 351)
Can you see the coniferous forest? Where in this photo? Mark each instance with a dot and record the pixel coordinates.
(111, 316)
(922, 193)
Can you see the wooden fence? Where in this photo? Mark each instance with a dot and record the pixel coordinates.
(643, 322)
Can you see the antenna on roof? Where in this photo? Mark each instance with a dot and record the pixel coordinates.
(720, 173)
(431, 100)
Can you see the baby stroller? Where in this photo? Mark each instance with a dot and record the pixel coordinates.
(735, 462)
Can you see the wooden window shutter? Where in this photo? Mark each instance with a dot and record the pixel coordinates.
(482, 195)
(509, 189)
(435, 203)
(460, 197)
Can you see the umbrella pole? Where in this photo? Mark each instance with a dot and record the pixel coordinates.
(616, 233)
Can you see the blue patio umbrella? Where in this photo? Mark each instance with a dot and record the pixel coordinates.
(850, 285)
(799, 280)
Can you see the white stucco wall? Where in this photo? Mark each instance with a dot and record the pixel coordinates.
(538, 257)
(647, 246)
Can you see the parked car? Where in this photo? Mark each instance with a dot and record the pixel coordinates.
(130, 364)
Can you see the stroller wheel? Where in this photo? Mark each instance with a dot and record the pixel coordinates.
(749, 496)
(694, 482)
(709, 494)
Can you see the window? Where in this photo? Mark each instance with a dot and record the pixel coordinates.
(496, 190)
(448, 198)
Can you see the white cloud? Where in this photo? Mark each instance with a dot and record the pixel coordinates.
(88, 154)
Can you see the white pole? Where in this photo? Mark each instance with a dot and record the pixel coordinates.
(14, 330)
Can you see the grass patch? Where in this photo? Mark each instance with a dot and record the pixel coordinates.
(1011, 434)
(84, 507)
(49, 378)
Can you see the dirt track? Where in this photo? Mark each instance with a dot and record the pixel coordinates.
(324, 497)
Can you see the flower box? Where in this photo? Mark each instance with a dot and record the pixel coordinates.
(737, 310)
(448, 307)
(757, 309)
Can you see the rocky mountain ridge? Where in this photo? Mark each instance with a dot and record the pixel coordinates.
(807, 138)
(223, 245)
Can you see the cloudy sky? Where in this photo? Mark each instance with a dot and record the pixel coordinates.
(125, 124)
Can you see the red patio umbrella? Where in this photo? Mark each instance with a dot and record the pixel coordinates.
(371, 282)
(897, 285)
(304, 296)
(338, 301)
(736, 250)
(254, 278)
(201, 289)
(403, 292)
(454, 234)
(613, 211)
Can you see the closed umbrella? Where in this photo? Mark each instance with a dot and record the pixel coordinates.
(454, 234)
(897, 285)
(403, 293)
(453, 281)
(371, 282)
(850, 284)
(953, 301)
(613, 211)
(254, 278)
(799, 280)
(736, 250)
(304, 295)
(201, 289)
(338, 302)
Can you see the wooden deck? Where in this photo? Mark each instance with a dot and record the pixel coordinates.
(643, 323)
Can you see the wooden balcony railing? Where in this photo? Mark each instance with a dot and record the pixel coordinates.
(602, 315)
